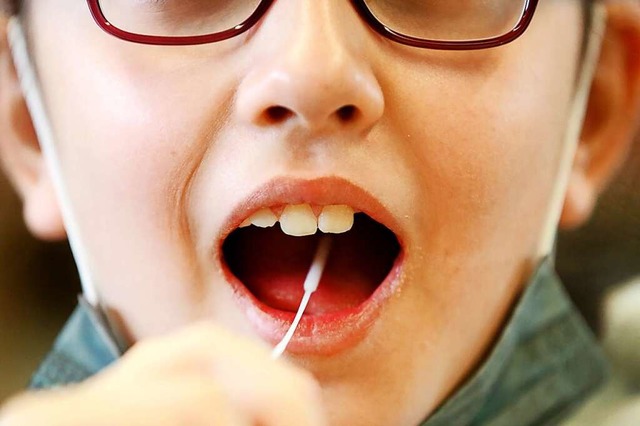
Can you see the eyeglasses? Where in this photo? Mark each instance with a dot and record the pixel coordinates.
(432, 24)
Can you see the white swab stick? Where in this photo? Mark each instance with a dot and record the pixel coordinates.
(310, 285)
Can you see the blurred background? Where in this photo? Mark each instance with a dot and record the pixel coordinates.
(38, 288)
(39, 285)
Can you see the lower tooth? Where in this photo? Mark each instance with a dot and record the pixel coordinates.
(298, 220)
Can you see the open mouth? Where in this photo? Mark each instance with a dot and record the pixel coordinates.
(267, 246)
(272, 264)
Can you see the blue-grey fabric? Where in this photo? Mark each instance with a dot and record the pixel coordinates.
(83, 348)
(544, 364)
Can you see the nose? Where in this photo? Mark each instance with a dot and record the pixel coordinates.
(310, 71)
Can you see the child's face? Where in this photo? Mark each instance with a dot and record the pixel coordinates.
(160, 145)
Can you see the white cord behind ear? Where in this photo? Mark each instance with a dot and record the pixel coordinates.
(574, 128)
(33, 98)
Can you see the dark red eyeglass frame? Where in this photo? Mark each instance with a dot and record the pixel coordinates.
(361, 8)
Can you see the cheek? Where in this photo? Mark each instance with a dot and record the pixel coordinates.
(483, 134)
(130, 130)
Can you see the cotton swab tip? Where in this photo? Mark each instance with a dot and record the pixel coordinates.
(317, 266)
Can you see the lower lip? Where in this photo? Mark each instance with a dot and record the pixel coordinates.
(325, 334)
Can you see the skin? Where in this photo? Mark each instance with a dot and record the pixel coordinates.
(462, 147)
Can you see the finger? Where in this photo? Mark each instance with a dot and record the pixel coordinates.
(273, 392)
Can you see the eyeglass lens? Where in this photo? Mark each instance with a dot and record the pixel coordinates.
(438, 20)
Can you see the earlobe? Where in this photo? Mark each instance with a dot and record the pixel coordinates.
(612, 115)
(20, 153)
(42, 213)
(579, 202)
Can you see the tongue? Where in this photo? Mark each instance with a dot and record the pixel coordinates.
(273, 265)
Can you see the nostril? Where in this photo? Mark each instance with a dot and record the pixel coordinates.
(278, 114)
(347, 113)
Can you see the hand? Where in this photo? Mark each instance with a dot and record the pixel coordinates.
(200, 376)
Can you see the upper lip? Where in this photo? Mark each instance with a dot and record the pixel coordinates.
(320, 191)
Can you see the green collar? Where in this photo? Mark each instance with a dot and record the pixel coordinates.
(544, 364)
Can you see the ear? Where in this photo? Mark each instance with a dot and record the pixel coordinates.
(20, 153)
(612, 114)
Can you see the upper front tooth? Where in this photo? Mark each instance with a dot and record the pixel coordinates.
(298, 220)
(335, 219)
(263, 218)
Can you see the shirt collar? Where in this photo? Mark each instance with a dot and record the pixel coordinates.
(545, 362)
